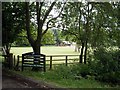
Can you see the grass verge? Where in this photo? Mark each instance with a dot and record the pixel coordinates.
(56, 79)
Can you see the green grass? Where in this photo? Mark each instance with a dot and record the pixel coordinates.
(47, 50)
(52, 78)
(56, 77)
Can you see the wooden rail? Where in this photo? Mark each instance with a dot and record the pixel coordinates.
(65, 59)
(51, 59)
(33, 60)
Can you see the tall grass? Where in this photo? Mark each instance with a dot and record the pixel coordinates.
(62, 77)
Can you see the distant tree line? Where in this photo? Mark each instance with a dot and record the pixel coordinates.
(22, 41)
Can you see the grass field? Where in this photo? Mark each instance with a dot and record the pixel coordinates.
(47, 50)
(50, 50)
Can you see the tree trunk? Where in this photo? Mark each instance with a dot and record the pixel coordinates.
(8, 56)
(81, 55)
(85, 54)
(36, 51)
(36, 43)
(77, 47)
(7, 49)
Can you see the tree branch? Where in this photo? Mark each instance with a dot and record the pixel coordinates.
(72, 33)
(39, 23)
(53, 19)
(48, 11)
(22, 36)
(38, 14)
(41, 4)
(28, 24)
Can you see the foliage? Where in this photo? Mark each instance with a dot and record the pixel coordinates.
(82, 70)
(41, 14)
(62, 77)
(90, 23)
(22, 40)
(12, 23)
(63, 71)
(48, 38)
(107, 66)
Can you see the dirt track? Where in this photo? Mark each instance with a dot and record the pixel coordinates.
(12, 82)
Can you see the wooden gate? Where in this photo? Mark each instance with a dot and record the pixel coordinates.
(32, 60)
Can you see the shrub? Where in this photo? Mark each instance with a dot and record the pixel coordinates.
(73, 71)
(81, 70)
(107, 66)
(63, 71)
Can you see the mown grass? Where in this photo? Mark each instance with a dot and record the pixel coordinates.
(47, 50)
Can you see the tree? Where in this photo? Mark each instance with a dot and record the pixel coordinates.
(48, 38)
(70, 19)
(43, 17)
(76, 22)
(91, 24)
(21, 39)
(42, 13)
(12, 23)
(102, 24)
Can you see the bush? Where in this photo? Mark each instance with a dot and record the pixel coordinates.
(73, 71)
(106, 66)
(82, 70)
(63, 71)
(111, 77)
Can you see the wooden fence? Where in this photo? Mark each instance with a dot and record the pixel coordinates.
(33, 60)
(51, 60)
(60, 59)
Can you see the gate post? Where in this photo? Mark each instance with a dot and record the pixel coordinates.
(50, 62)
(10, 60)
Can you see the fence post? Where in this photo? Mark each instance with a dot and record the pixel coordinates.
(22, 61)
(80, 60)
(18, 58)
(17, 61)
(10, 58)
(14, 60)
(66, 60)
(44, 63)
(50, 62)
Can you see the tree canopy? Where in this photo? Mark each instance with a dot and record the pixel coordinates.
(12, 23)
